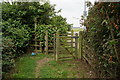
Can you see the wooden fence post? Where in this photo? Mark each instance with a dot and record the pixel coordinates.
(54, 45)
(76, 45)
(80, 44)
(35, 21)
(57, 45)
(83, 46)
(40, 47)
(35, 46)
(46, 42)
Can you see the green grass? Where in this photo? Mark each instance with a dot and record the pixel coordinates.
(77, 29)
(25, 66)
(55, 69)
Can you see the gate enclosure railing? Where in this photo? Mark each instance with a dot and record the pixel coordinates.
(73, 45)
(67, 45)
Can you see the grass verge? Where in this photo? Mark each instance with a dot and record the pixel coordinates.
(25, 66)
(54, 69)
(77, 29)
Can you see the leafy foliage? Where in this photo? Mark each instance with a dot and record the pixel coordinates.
(103, 29)
(19, 21)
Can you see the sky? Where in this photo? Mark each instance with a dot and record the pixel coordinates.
(71, 10)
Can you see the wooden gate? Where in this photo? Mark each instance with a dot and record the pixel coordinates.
(67, 46)
(64, 46)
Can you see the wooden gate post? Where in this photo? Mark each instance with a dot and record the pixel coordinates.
(46, 42)
(76, 45)
(57, 45)
(80, 44)
(72, 33)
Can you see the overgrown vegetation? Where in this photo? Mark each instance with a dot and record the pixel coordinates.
(19, 20)
(103, 34)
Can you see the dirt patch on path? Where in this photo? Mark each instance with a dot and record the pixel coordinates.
(40, 63)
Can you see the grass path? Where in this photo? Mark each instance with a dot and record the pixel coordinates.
(44, 66)
(40, 64)
(25, 66)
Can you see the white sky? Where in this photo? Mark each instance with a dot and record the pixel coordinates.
(71, 9)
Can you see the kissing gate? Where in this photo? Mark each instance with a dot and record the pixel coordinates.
(65, 46)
